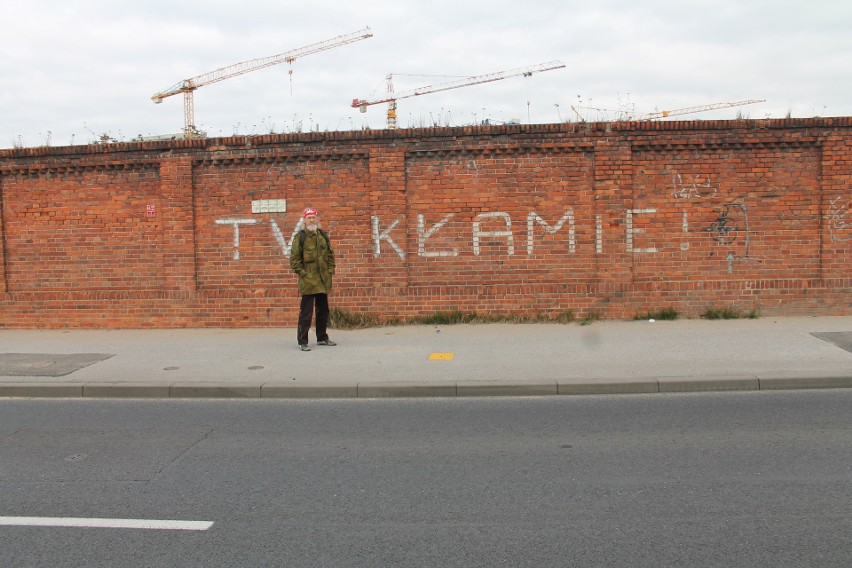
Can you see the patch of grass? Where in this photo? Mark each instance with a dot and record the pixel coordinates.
(444, 318)
(341, 319)
(590, 318)
(663, 314)
(487, 318)
(729, 313)
(565, 317)
(449, 318)
(720, 313)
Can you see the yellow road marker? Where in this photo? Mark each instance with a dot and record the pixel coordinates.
(441, 356)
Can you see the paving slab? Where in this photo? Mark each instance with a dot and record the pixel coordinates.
(47, 364)
(842, 339)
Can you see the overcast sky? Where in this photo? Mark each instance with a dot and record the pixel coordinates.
(74, 70)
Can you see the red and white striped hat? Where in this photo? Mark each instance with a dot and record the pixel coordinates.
(309, 211)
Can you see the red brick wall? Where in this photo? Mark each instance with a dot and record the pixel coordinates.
(617, 219)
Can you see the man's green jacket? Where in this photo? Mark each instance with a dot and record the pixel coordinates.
(313, 261)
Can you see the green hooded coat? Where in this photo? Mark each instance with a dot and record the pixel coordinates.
(313, 261)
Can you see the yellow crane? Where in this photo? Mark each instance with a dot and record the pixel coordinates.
(188, 86)
(690, 110)
(391, 98)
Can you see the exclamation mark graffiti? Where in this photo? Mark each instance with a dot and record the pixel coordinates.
(598, 235)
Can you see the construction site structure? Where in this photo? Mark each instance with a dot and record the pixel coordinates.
(622, 116)
(691, 110)
(392, 97)
(188, 86)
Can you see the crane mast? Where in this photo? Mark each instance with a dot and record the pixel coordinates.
(391, 97)
(188, 86)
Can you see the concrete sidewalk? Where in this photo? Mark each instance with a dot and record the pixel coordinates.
(456, 360)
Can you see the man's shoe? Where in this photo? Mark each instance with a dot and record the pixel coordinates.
(304, 347)
(327, 342)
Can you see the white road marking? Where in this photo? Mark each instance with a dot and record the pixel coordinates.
(105, 523)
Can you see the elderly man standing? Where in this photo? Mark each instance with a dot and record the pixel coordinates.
(312, 258)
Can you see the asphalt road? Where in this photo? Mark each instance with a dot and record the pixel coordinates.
(721, 479)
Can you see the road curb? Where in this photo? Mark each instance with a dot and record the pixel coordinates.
(822, 381)
(214, 390)
(124, 390)
(404, 390)
(506, 388)
(238, 390)
(705, 383)
(37, 390)
(645, 385)
(346, 390)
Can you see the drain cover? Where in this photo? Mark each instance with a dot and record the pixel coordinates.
(46, 364)
(842, 339)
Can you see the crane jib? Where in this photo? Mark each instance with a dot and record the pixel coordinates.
(187, 86)
(473, 80)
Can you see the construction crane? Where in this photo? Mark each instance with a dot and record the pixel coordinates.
(690, 110)
(188, 86)
(391, 98)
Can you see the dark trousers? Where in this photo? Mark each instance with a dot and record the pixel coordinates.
(306, 310)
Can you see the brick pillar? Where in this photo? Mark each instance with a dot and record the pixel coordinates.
(176, 192)
(613, 199)
(3, 288)
(388, 228)
(836, 208)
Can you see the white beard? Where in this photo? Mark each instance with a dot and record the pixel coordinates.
(312, 228)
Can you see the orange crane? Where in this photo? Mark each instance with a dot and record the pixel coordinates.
(188, 86)
(690, 110)
(391, 98)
